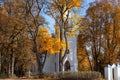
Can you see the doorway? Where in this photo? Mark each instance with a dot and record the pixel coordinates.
(67, 66)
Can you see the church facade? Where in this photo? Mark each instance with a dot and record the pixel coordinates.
(70, 62)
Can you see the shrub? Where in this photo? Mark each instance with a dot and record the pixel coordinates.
(79, 75)
(3, 75)
(49, 75)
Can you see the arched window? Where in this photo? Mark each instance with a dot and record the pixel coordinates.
(67, 66)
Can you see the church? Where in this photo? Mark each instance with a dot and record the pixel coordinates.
(70, 62)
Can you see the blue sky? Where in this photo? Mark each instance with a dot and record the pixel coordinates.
(85, 5)
(51, 21)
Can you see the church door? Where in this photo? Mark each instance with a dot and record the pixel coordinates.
(67, 66)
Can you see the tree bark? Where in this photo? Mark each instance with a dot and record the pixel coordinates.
(9, 69)
(61, 39)
(96, 64)
(0, 61)
(13, 61)
(60, 68)
(40, 67)
(39, 62)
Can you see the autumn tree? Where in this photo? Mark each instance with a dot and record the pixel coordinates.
(27, 13)
(84, 63)
(111, 34)
(60, 11)
(95, 23)
(103, 29)
(43, 43)
(13, 34)
(13, 9)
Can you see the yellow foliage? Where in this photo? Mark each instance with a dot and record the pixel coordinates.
(43, 32)
(83, 62)
(77, 3)
(63, 44)
(74, 3)
(68, 46)
(63, 52)
(65, 4)
(57, 32)
(82, 55)
(47, 43)
(57, 47)
(71, 33)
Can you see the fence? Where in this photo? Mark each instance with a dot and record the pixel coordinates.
(112, 72)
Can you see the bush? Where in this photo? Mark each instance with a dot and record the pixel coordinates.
(49, 75)
(3, 75)
(45, 75)
(80, 76)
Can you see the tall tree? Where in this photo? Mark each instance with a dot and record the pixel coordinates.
(42, 41)
(33, 21)
(103, 29)
(11, 29)
(59, 10)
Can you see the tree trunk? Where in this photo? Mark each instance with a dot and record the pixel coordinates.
(40, 68)
(13, 60)
(61, 39)
(95, 65)
(39, 62)
(90, 65)
(60, 68)
(9, 69)
(0, 61)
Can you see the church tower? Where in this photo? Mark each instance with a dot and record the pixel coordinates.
(70, 61)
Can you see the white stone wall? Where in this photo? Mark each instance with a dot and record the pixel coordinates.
(73, 53)
(52, 63)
